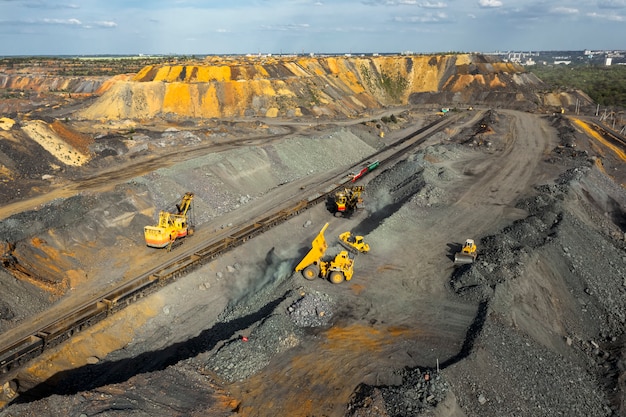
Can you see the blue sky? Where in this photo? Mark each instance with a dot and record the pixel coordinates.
(75, 27)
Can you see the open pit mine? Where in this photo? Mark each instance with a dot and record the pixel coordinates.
(262, 236)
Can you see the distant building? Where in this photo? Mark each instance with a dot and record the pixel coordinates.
(608, 61)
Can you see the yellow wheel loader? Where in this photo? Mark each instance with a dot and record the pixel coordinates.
(467, 254)
(335, 270)
(171, 226)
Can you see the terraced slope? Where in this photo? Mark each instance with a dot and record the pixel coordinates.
(328, 86)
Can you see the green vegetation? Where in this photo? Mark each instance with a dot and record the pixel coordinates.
(394, 86)
(390, 119)
(365, 73)
(313, 94)
(605, 85)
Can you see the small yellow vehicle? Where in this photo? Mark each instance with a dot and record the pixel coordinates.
(353, 243)
(467, 255)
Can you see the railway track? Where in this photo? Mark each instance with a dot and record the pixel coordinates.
(14, 354)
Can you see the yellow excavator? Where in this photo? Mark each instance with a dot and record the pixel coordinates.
(467, 254)
(171, 226)
(335, 270)
(347, 200)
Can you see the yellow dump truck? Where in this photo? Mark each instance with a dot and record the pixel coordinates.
(336, 270)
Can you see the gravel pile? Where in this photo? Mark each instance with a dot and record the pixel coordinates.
(246, 355)
(252, 350)
(543, 383)
(408, 179)
(311, 310)
(426, 389)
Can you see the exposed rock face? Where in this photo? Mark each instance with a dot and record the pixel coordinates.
(73, 85)
(325, 86)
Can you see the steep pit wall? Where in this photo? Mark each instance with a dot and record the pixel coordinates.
(297, 86)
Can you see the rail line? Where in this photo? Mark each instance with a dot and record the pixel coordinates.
(16, 353)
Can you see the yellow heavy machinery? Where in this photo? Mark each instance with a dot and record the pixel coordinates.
(352, 242)
(467, 254)
(313, 266)
(171, 226)
(347, 200)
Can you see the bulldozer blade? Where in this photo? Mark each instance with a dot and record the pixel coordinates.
(463, 259)
(350, 248)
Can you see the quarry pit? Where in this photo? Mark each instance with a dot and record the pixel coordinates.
(531, 328)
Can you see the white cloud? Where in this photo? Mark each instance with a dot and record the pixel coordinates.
(610, 17)
(287, 27)
(106, 24)
(424, 18)
(49, 5)
(490, 3)
(564, 10)
(429, 5)
(70, 22)
(297, 25)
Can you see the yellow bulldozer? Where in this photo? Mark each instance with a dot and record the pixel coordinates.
(467, 254)
(353, 243)
(171, 226)
(336, 270)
